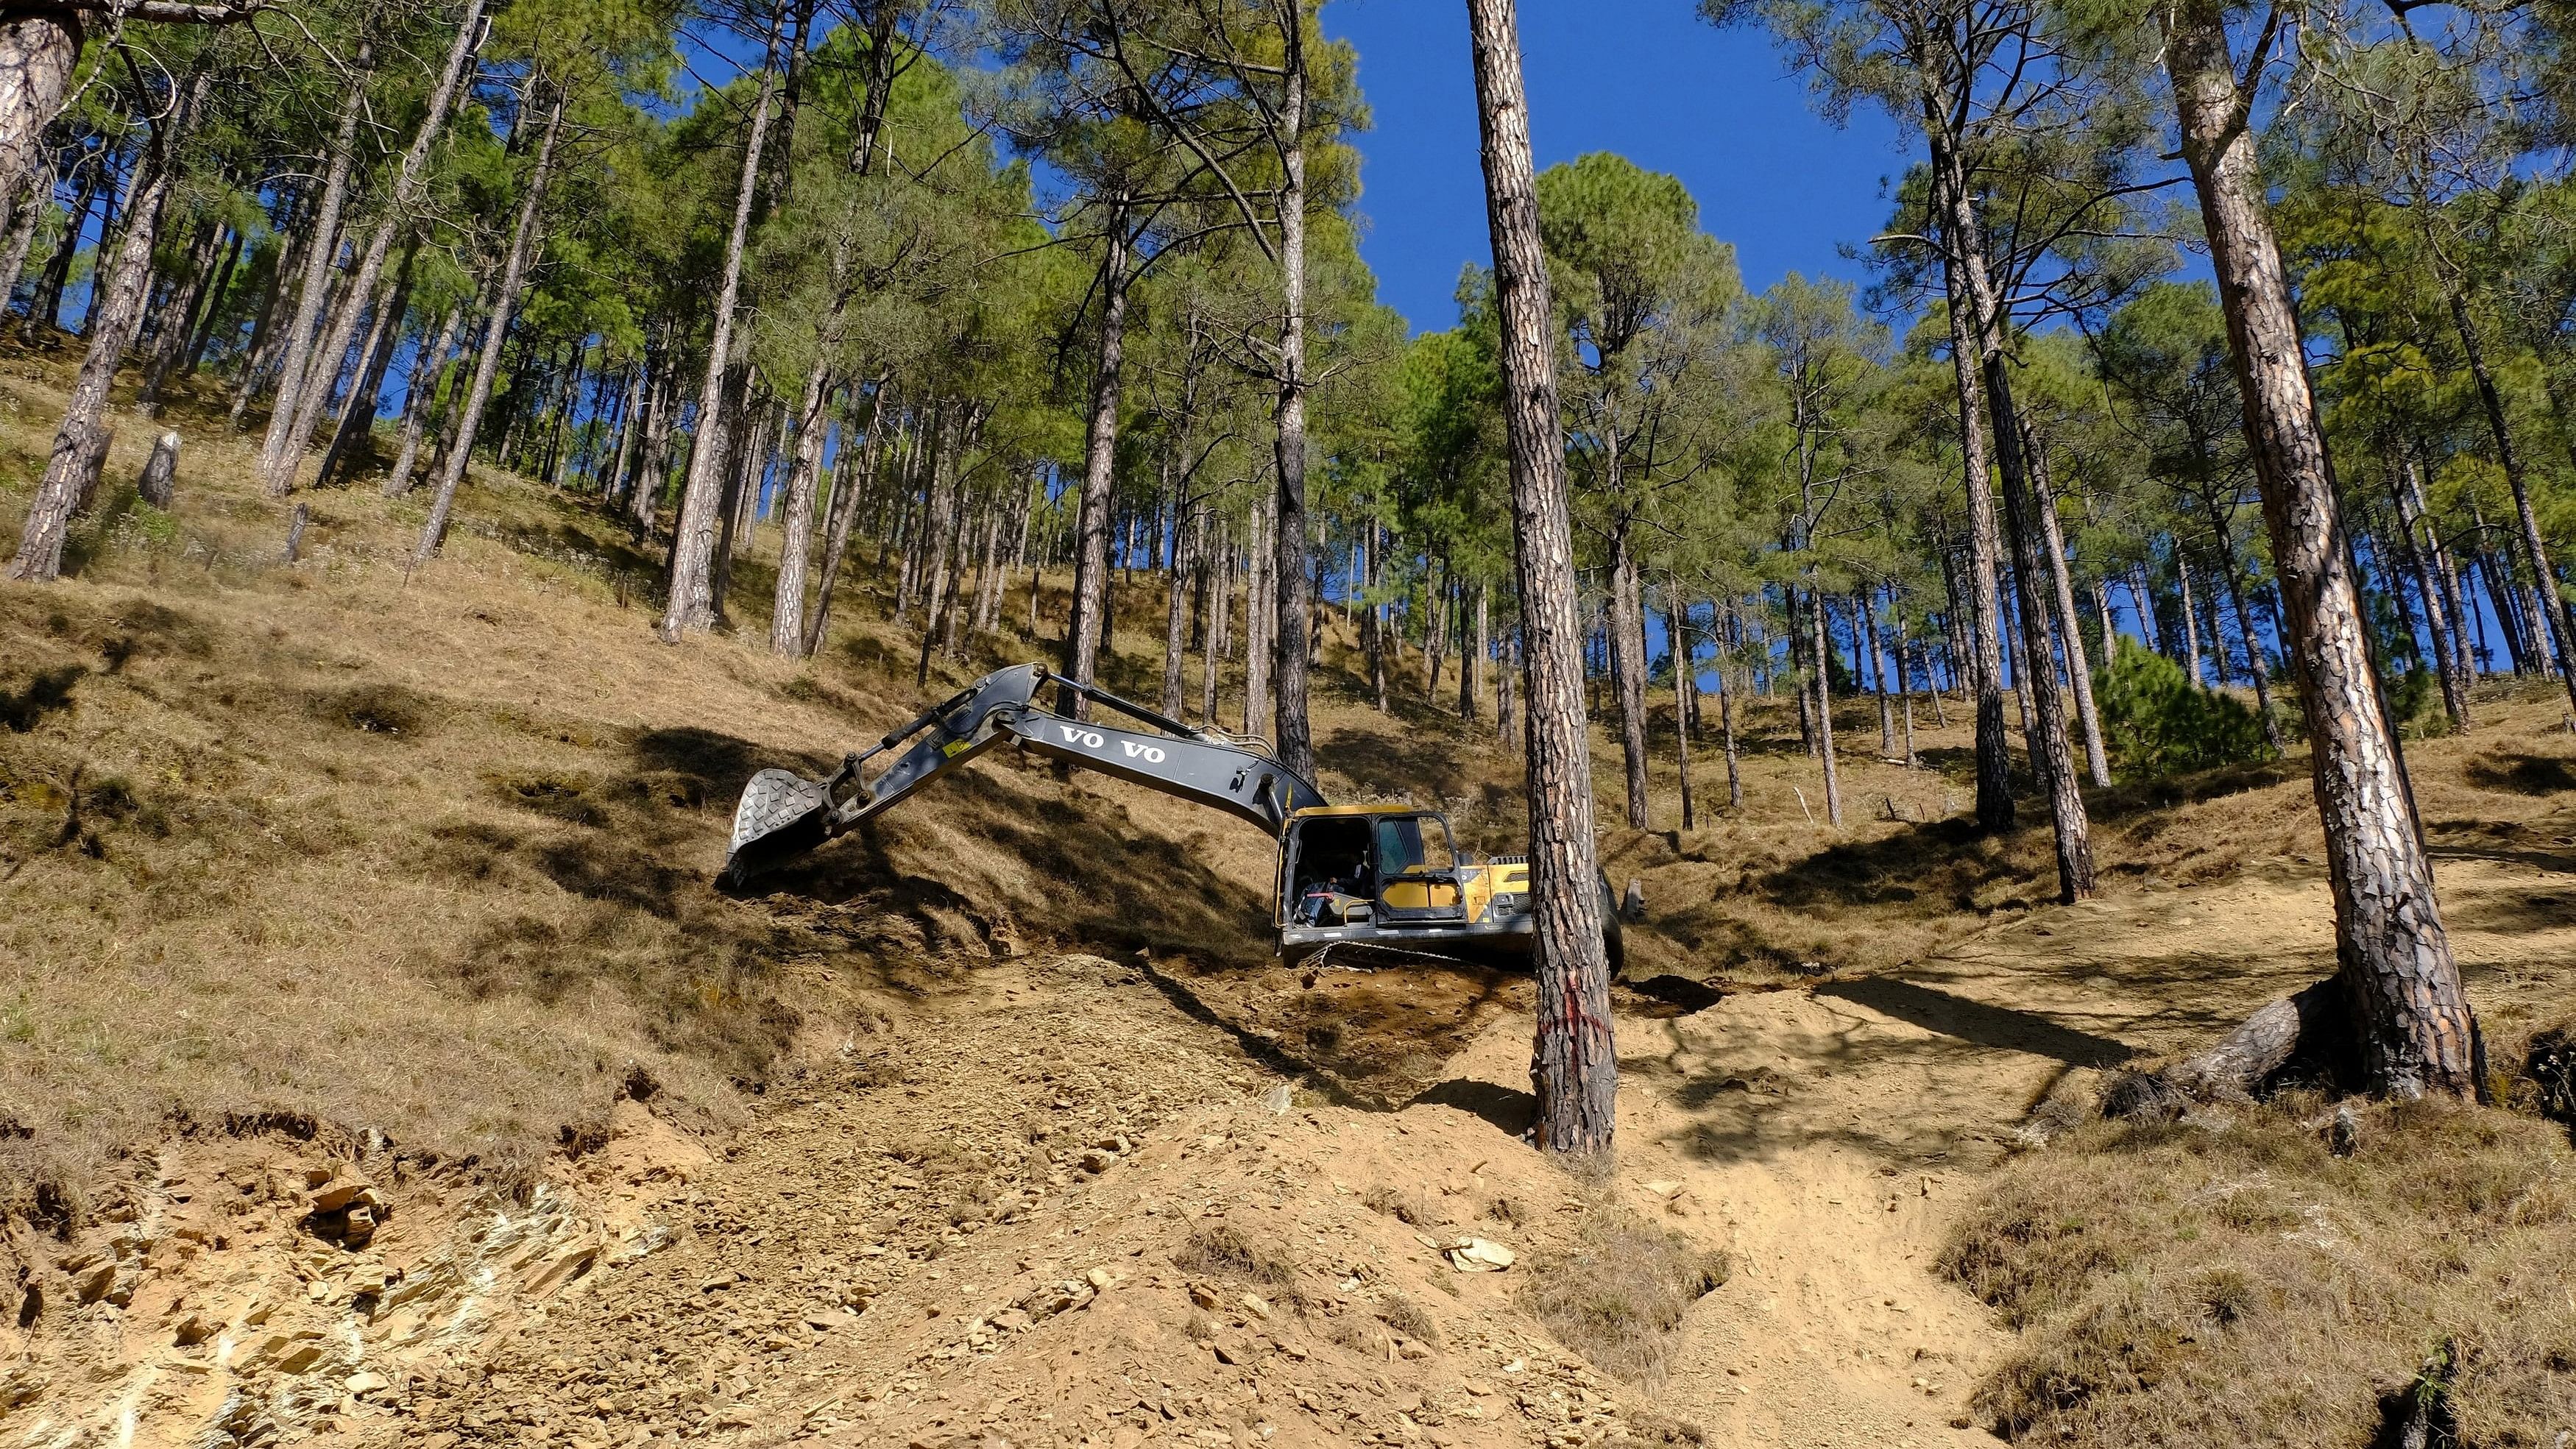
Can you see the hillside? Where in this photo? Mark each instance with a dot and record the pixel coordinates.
(380, 1064)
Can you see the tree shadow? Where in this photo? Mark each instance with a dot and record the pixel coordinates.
(49, 691)
(2509, 913)
(1508, 1109)
(2522, 774)
(2454, 849)
(592, 542)
(1948, 860)
(713, 765)
(1975, 1021)
(1661, 998)
(2148, 797)
(1411, 765)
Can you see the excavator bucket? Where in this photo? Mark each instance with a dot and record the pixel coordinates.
(783, 815)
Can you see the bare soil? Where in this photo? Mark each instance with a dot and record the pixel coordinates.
(995, 1122)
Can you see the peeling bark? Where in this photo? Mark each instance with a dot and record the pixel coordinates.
(2401, 989)
(1574, 1068)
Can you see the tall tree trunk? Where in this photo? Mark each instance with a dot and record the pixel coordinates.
(2070, 632)
(2439, 615)
(2560, 629)
(1983, 619)
(276, 461)
(988, 568)
(1574, 1065)
(2485, 577)
(1628, 656)
(2190, 616)
(1298, 597)
(912, 507)
(1092, 521)
(203, 333)
(1726, 727)
(38, 49)
(1963, 233)
(1681, 706)
(620, 476)
(1176, 621)
(1435, 628)
(693, 602)
(1217, 566)
(849, 484)
(298, 409)
(723, 439)
(1799, 657)
(259, 355)
(2020, 656)
(178, 312)
(947, 514)
(2050, 760)
(358, 415)
(2230, 573)
(47, 309)
(28, 209)
(1905, 687)
(1381, 624)
(1260, 616)
(796, 515)
(1821, 655)
(1472, 660)
(80, 444)
(1863, 611)
(2142, 599)
(425, 368)
(653, 453)
(524, 244)
(2445, 569)
(2411, 1022)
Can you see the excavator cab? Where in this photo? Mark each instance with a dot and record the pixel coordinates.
(1389, 877)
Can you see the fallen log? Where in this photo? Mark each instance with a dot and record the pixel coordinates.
(2241, 1062)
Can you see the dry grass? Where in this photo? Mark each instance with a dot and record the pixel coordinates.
(1407, 1317)
(2233, 1281)
(1618, 1293)
(1410, 1208)
(1226, 1251)
(432, 851)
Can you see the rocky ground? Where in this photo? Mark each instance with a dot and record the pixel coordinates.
(1078, 1217)
(1055, 1199)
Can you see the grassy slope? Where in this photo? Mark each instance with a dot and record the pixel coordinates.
(430, 851)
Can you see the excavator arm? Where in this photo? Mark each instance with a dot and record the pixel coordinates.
(783, 815)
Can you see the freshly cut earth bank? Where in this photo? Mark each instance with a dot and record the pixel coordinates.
(1055, 1199)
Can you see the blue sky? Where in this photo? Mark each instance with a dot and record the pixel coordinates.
(1645, 78)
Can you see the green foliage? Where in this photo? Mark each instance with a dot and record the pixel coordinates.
(2415, 703)
(2155, 724)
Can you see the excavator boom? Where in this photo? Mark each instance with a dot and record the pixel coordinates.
(783, 815)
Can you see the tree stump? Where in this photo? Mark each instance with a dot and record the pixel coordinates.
(295, 534)
(161, 475)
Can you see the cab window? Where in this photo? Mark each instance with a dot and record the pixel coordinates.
(1408, 842)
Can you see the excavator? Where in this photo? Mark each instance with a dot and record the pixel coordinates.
(1372, 882)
